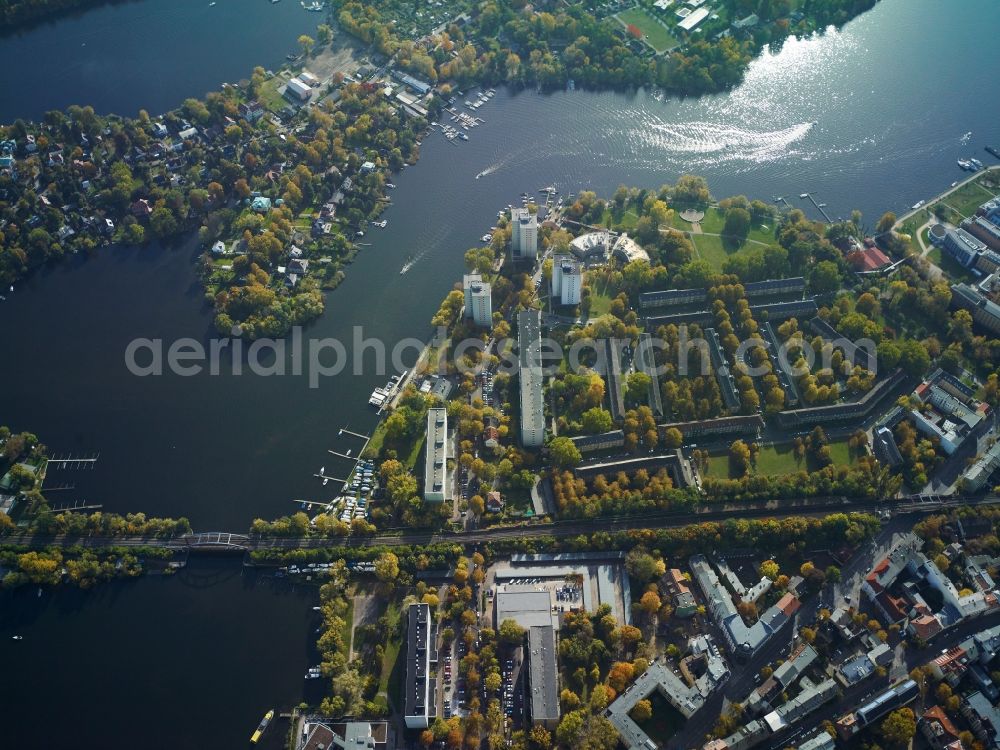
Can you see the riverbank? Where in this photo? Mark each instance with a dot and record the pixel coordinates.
(966, 195)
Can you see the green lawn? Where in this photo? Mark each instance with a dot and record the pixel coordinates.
(269, 95)
(600, 299)
(967, 198)
(627, 218)
(711, 249)
(654, 33)
(774, 460)
(713, 222)
(393, 643)
(414, 454)
(780, 459)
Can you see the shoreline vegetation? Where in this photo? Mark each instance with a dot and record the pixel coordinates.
(548, 44)
(281, 194)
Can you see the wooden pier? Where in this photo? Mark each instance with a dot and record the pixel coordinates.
(80, 505)
(819, 207)
(70, 461)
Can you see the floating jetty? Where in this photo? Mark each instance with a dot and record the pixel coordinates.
(819, 206)
(381, 396)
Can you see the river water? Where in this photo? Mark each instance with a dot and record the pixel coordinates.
(187, 661)
(872, 117)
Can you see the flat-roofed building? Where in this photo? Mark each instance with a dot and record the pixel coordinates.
(567, 280)
(529, 341)
(985, 312)
(523, 233)
(478, 300)
(437, 488)
(962, 246)
(543, 676)
(299, 90)
(695, 17)
(983, 230)
(418, 700)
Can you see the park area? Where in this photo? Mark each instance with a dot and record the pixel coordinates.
(775, 460)
(965, 200)
(654, 33)
(713, 246)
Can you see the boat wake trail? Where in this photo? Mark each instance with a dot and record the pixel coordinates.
(429, 241)
(708, 143)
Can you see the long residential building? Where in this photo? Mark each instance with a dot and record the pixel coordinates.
(781, 366)
(613, 378)
(796, 308)
(751, 424)
(543, 676)
(437, 488)
(645, 360)
(673, 461)
(418, 697)
(529, 339)
(752, 290)
(700, 317)
(853, 410)
(727, 383)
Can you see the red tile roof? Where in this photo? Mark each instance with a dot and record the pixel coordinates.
(925, 626)
(788, 604)
(937, 714)
(868, 259)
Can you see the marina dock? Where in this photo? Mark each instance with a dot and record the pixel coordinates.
(819, 206)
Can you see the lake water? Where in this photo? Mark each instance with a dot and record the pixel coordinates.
(872, 117)
(150, 54)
